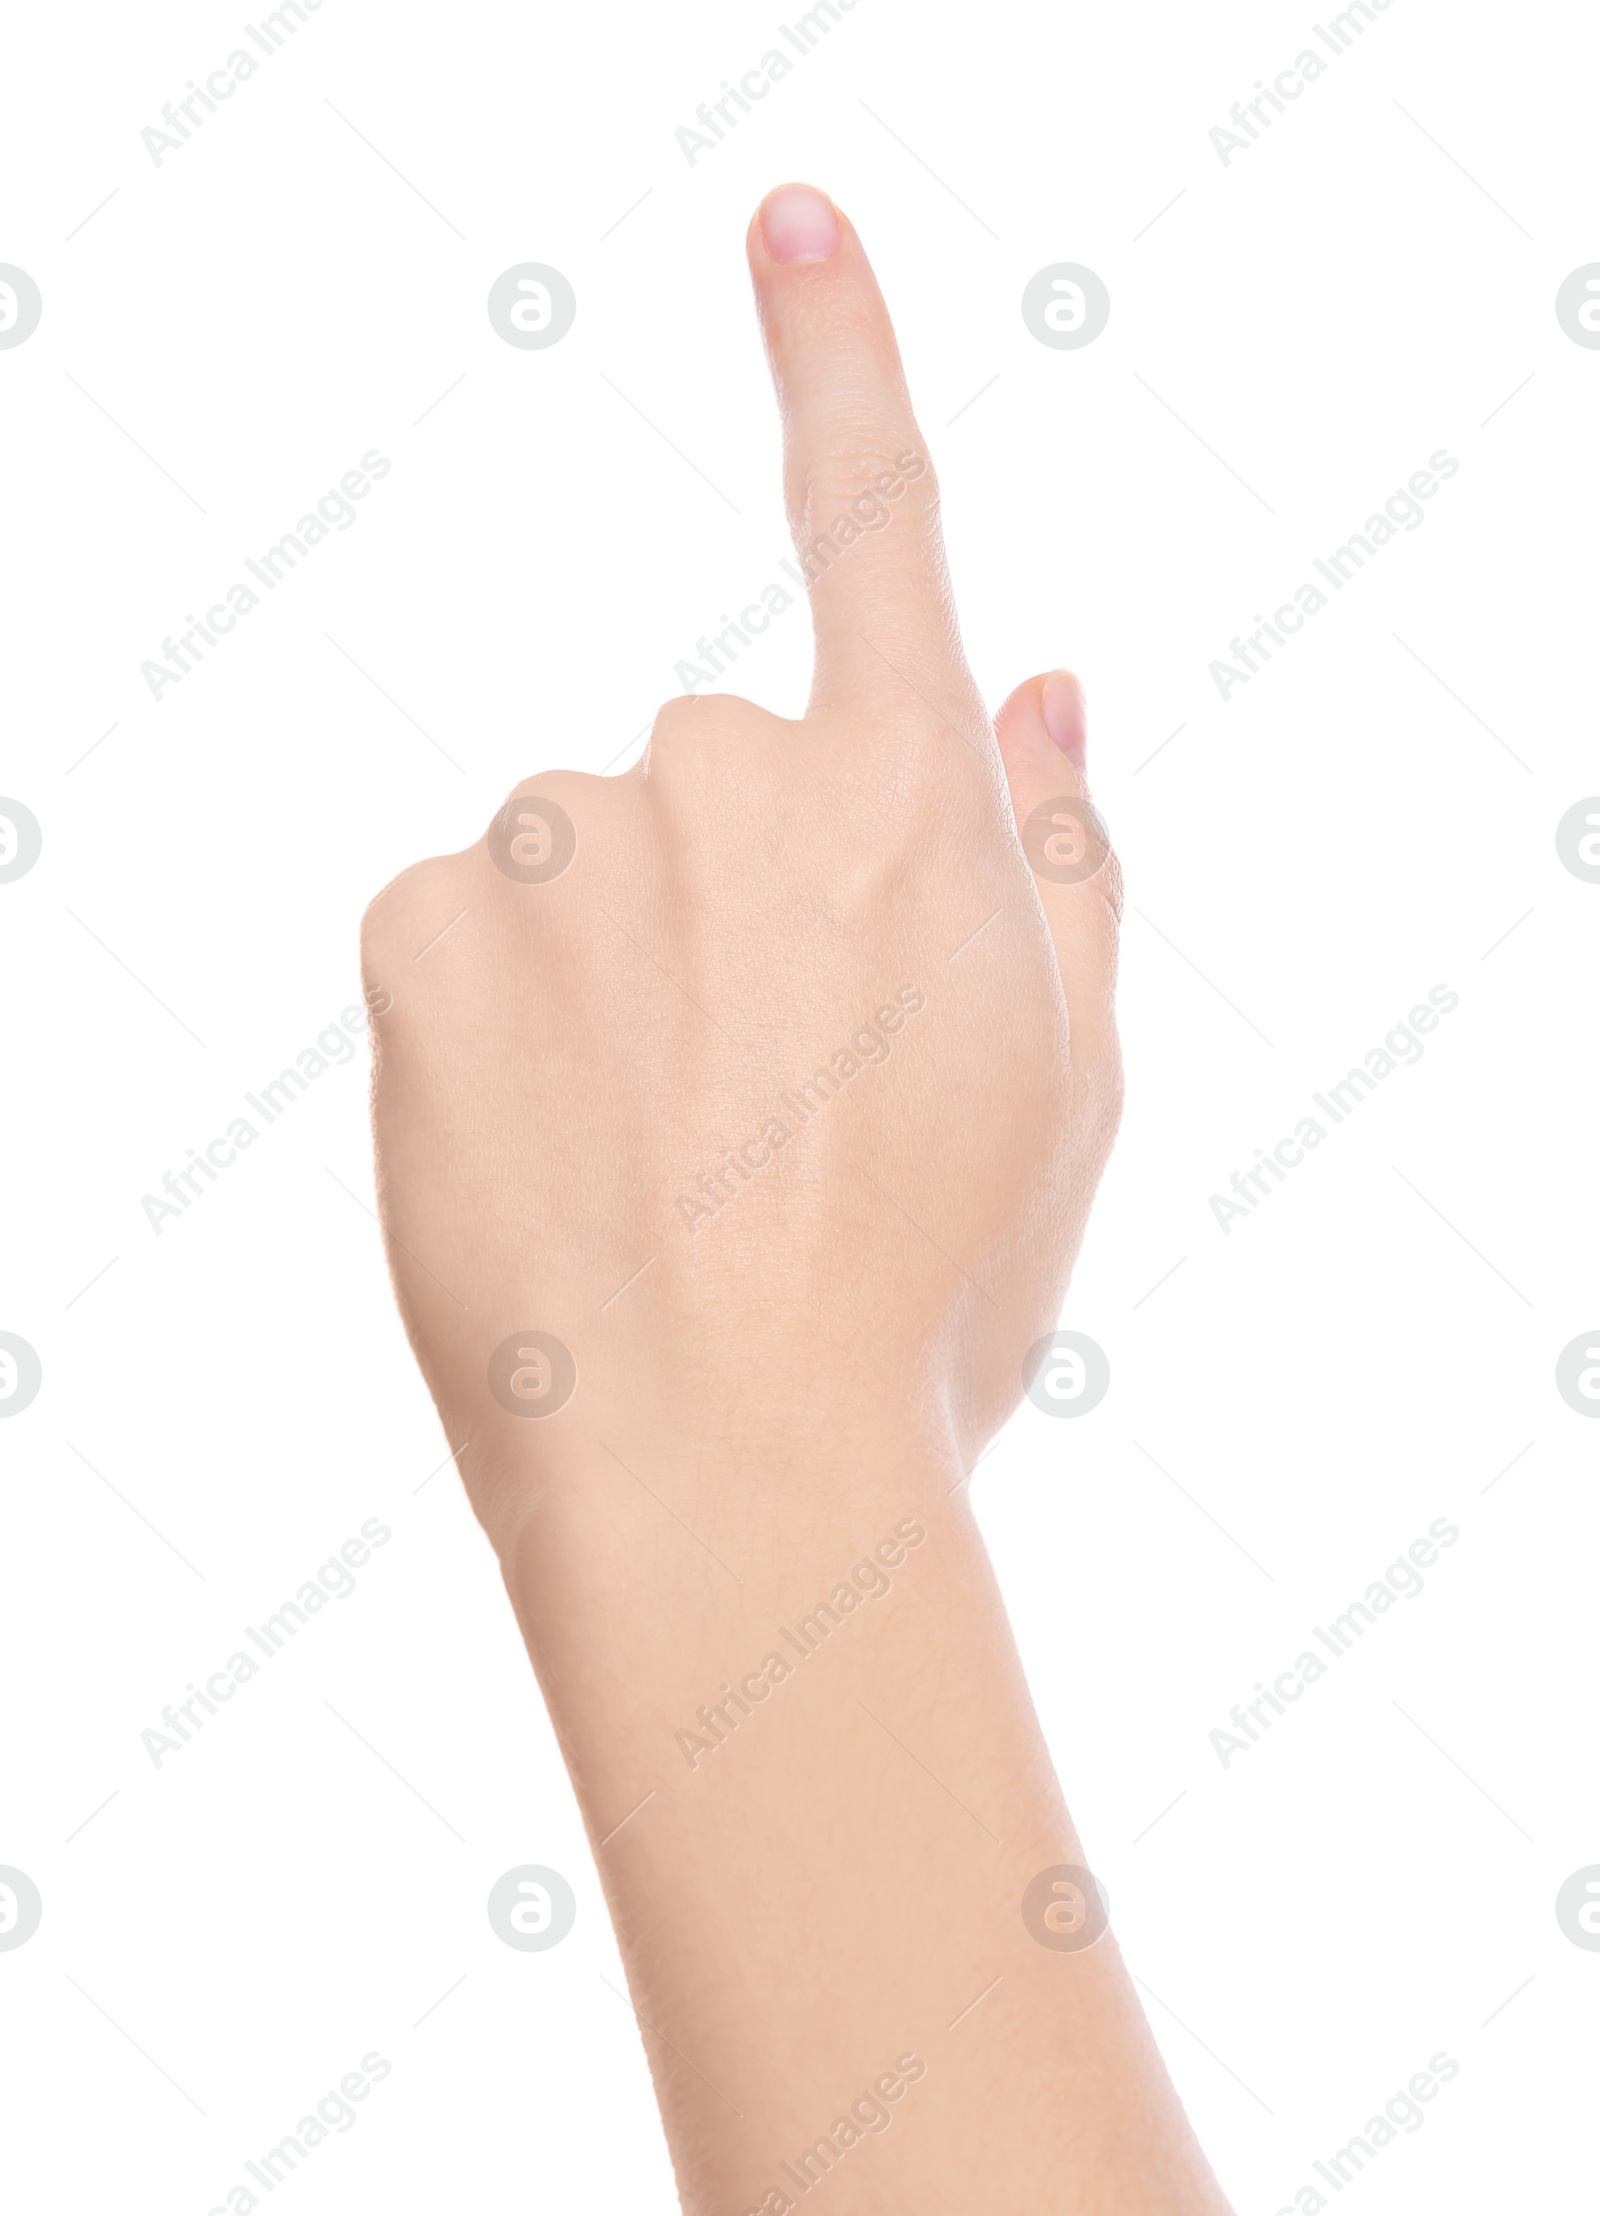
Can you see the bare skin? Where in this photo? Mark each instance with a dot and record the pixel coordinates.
(789, 1350)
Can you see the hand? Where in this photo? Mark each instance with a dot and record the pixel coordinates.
(737, 1120)
(799, 1031)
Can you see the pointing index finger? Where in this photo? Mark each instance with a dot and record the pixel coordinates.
(859, 487)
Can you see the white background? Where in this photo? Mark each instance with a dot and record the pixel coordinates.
(1372, 1883)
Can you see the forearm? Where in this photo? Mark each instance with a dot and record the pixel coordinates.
(817, 1793)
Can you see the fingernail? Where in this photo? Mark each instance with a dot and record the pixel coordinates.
(799, 225)
(1064, 716)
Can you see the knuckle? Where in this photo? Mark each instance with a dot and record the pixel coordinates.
(697, 716)
(702, 735)
(391, 914)
(542, 827)
(397, 922)
(858, 478)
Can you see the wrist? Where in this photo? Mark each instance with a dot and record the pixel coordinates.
(617, 1523)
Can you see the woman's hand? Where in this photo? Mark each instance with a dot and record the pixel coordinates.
(809, 1023)
(737, 1120)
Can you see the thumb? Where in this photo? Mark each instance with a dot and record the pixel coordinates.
(1043, 734)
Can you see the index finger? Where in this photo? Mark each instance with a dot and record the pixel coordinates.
(859, 486)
